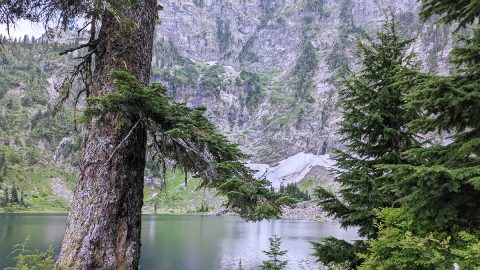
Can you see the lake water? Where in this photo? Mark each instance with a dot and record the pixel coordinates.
(172, 242)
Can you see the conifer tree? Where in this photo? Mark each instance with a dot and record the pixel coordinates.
(22, 202)
(103, 228)
(442, 183)
(438, 225)
(373, 130)
(5, 197)
(274, 253)
(14, 197)
(240, 266)
(5, 169)
(463, 12)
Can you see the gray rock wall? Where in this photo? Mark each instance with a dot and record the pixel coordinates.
(267, 70)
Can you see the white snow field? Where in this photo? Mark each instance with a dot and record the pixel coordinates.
(292, 169)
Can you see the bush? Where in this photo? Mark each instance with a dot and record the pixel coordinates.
(405, 243)
(334, 253)
(31, 260)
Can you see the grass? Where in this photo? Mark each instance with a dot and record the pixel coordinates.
(176, 198)
(36, 183)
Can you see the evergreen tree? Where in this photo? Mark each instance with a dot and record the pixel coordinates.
(5, 169)
(14, 198)
(274, 254)
(3, 165)
(22, 202)
(373, 129)
(103, 228)
(442, 182)
(438, 224)
(463, 12)
(5, 197)
(240, 266)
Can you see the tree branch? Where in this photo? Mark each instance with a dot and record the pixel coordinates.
(88, 44)
(120, 144)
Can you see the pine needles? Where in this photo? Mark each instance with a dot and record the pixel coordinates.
(184, 136)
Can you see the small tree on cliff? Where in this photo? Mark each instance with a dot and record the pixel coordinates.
(103, 228)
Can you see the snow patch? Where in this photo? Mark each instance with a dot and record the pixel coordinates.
(290, 170)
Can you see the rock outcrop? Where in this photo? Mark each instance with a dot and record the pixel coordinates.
(268, 71)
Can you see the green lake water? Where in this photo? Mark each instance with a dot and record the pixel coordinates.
(174, 242)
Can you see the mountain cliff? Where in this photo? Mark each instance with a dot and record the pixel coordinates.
(268, 71)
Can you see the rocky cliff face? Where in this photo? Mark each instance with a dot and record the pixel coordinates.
(267, 70)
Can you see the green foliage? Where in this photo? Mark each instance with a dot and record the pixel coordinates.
(173, 196)
(373, 129)
(3, 165)
(6, 199)
(462, 11)
(240, 266)
(304, 71)
(438, 184)
(252, 86)
(31, 260)
(211, 79)
(63, 14)
(247, 54)
(293, 191)
(223, 35)
(186, 75)
(186, 136)
(406, 243)
(328, 252)
(14, 196)
(441, 183)
(274, 254)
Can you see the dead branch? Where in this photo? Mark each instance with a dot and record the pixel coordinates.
(81, 46)
(121, 143)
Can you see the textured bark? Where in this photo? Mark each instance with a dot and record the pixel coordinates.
(103, 228)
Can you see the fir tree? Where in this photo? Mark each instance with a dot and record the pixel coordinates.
(22, 202)
(274, 254)
(3, 165)
(373, 130)
(5, 169)
(442, 182)
(5, 197)
(121, 36)
(463, 12)
(14, 198)
(439, 185)
(240, 266)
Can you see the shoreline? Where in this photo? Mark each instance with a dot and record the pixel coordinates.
(302, 211)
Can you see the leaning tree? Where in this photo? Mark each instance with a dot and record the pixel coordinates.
(123, 119)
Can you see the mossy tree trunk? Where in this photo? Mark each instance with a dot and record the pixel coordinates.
(103, 228)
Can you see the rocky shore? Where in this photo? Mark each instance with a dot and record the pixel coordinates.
(301, 211)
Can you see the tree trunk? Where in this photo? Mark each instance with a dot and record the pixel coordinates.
(103, 228)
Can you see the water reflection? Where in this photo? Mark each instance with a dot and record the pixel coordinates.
(185, 242)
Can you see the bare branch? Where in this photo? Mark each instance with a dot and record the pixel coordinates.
(86, 55)
(121, 143)
(88, 44)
